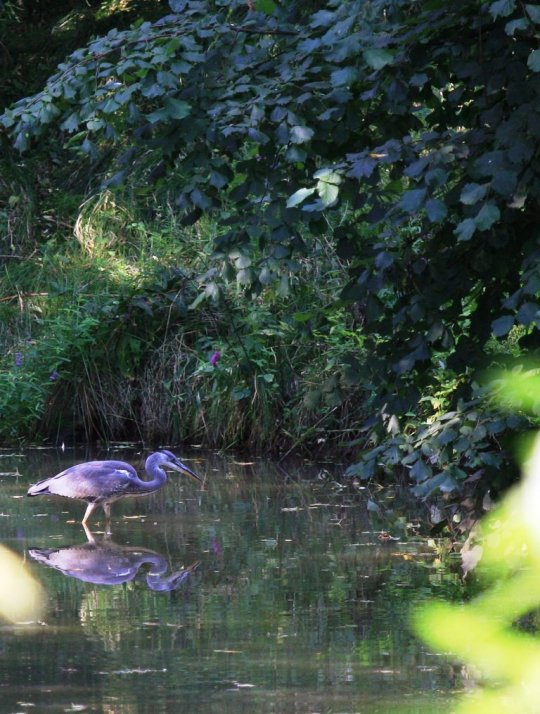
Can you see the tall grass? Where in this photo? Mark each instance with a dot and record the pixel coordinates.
(116, 341)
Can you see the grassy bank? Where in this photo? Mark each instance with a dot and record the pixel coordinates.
(112, 333)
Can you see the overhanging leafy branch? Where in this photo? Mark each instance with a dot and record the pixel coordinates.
(406, 131)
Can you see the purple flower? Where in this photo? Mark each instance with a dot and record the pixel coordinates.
(53, 376)
(214, 359)
(18, 359)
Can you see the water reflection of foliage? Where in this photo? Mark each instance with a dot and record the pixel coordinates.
(105, 613)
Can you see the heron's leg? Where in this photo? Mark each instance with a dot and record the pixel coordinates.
(89, 510)
(107, 509)
(89, 534)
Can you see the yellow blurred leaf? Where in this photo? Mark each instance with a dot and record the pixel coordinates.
(21, 596)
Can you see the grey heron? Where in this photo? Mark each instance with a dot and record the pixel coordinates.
(100, 483)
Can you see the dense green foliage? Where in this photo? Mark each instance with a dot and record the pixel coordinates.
(367, 176)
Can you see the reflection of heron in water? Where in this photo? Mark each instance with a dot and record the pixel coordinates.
(106, 563)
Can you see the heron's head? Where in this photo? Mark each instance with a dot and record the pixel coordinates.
(171, 461)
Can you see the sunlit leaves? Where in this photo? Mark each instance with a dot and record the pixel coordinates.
(328, 186)
(299, 196)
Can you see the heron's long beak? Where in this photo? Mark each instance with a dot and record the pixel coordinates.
(182, 468)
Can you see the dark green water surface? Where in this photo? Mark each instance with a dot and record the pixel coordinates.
(291, 601)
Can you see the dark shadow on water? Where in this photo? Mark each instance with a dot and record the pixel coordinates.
(103, 562)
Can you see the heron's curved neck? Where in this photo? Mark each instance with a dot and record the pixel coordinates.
(155, 472)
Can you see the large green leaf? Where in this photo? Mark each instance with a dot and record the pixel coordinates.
(533, 11)
(328, 192)
(301, 134)
(465, 230)
(472, 193)
(436, 210)
(502, 8)
(299, 196)
(177, 108)
(413, 200)
(377, 57)
(487, 216)
(502, 325)
(533, 61)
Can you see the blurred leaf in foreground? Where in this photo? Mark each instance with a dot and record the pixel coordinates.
(483, 632)
(520, 390)
(21, 597)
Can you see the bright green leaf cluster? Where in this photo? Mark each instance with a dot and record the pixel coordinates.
(483, 632)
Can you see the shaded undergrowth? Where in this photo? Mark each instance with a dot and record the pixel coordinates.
(131, 329)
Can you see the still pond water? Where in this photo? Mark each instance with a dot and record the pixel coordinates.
(264, 593)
